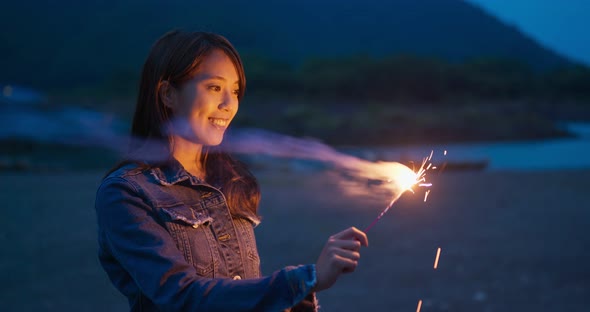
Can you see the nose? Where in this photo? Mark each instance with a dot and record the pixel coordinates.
(229, 102)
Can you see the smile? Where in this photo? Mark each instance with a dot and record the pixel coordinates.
(219, 122)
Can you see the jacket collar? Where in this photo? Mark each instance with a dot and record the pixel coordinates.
(172, 172)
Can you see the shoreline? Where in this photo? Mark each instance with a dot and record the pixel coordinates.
(549, 154)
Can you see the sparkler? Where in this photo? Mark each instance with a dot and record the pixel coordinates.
(404, 179)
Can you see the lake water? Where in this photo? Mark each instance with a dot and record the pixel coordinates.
(568, 153)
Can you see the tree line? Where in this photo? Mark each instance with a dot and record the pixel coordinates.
(412, 77)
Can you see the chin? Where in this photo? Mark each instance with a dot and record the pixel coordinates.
(214, 142)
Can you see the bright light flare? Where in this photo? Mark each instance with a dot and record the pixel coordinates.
(402, 179)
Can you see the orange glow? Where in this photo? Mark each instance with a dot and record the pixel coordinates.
(406, 178)
(401, 177)
(419, 306)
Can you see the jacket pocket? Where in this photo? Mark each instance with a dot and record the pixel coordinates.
(188, 215)
(189, 227)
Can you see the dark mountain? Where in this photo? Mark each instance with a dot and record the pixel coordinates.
(70, 43)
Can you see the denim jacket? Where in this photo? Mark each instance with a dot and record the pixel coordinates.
(169, 243)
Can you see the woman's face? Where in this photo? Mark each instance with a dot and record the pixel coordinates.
(206, 104)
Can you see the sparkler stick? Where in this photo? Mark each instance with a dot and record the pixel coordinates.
(380, 215)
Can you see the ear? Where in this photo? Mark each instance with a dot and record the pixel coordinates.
(168, 94)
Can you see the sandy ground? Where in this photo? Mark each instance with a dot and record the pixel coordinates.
(511, 241)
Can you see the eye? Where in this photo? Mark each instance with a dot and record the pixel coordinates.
(236, 92)
(214, 88)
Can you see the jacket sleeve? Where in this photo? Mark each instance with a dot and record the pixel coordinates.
(128, 230)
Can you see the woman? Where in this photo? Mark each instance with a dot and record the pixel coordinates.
(176, 229)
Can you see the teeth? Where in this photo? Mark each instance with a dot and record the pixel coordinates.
(219, 122)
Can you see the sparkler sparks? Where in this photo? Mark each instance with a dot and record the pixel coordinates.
(436, 259)
(404, 179)
(419, 305)
(426, 195)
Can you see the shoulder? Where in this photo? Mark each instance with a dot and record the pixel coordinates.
(129, 173)
(123, 195)
(155, 185)
(125, 180)
(125, 171)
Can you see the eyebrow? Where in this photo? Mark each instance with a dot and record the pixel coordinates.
(206, 77)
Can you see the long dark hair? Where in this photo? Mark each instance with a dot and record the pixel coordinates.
(175, 58)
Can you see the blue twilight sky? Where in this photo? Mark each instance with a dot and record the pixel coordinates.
(562, 25)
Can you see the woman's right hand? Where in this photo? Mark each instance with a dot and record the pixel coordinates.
(340, 255)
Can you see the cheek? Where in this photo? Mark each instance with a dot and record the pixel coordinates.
(234, 114)
(195, 111)
(190, 101)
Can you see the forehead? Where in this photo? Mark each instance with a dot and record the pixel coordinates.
(217, 65)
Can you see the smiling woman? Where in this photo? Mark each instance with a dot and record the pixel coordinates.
(203, 108)
(177, 234)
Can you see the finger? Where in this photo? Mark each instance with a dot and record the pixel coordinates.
(348, 244)
(345, 265)
(348, 254)
(353, 233)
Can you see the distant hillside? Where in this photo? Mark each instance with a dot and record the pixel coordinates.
(75, 43)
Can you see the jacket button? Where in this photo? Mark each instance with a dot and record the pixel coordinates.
(237, 277)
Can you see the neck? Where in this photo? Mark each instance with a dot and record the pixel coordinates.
(188, 155)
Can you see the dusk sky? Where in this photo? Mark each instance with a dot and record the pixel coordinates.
(561, 25)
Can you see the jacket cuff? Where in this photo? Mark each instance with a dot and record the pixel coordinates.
(301, 281)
